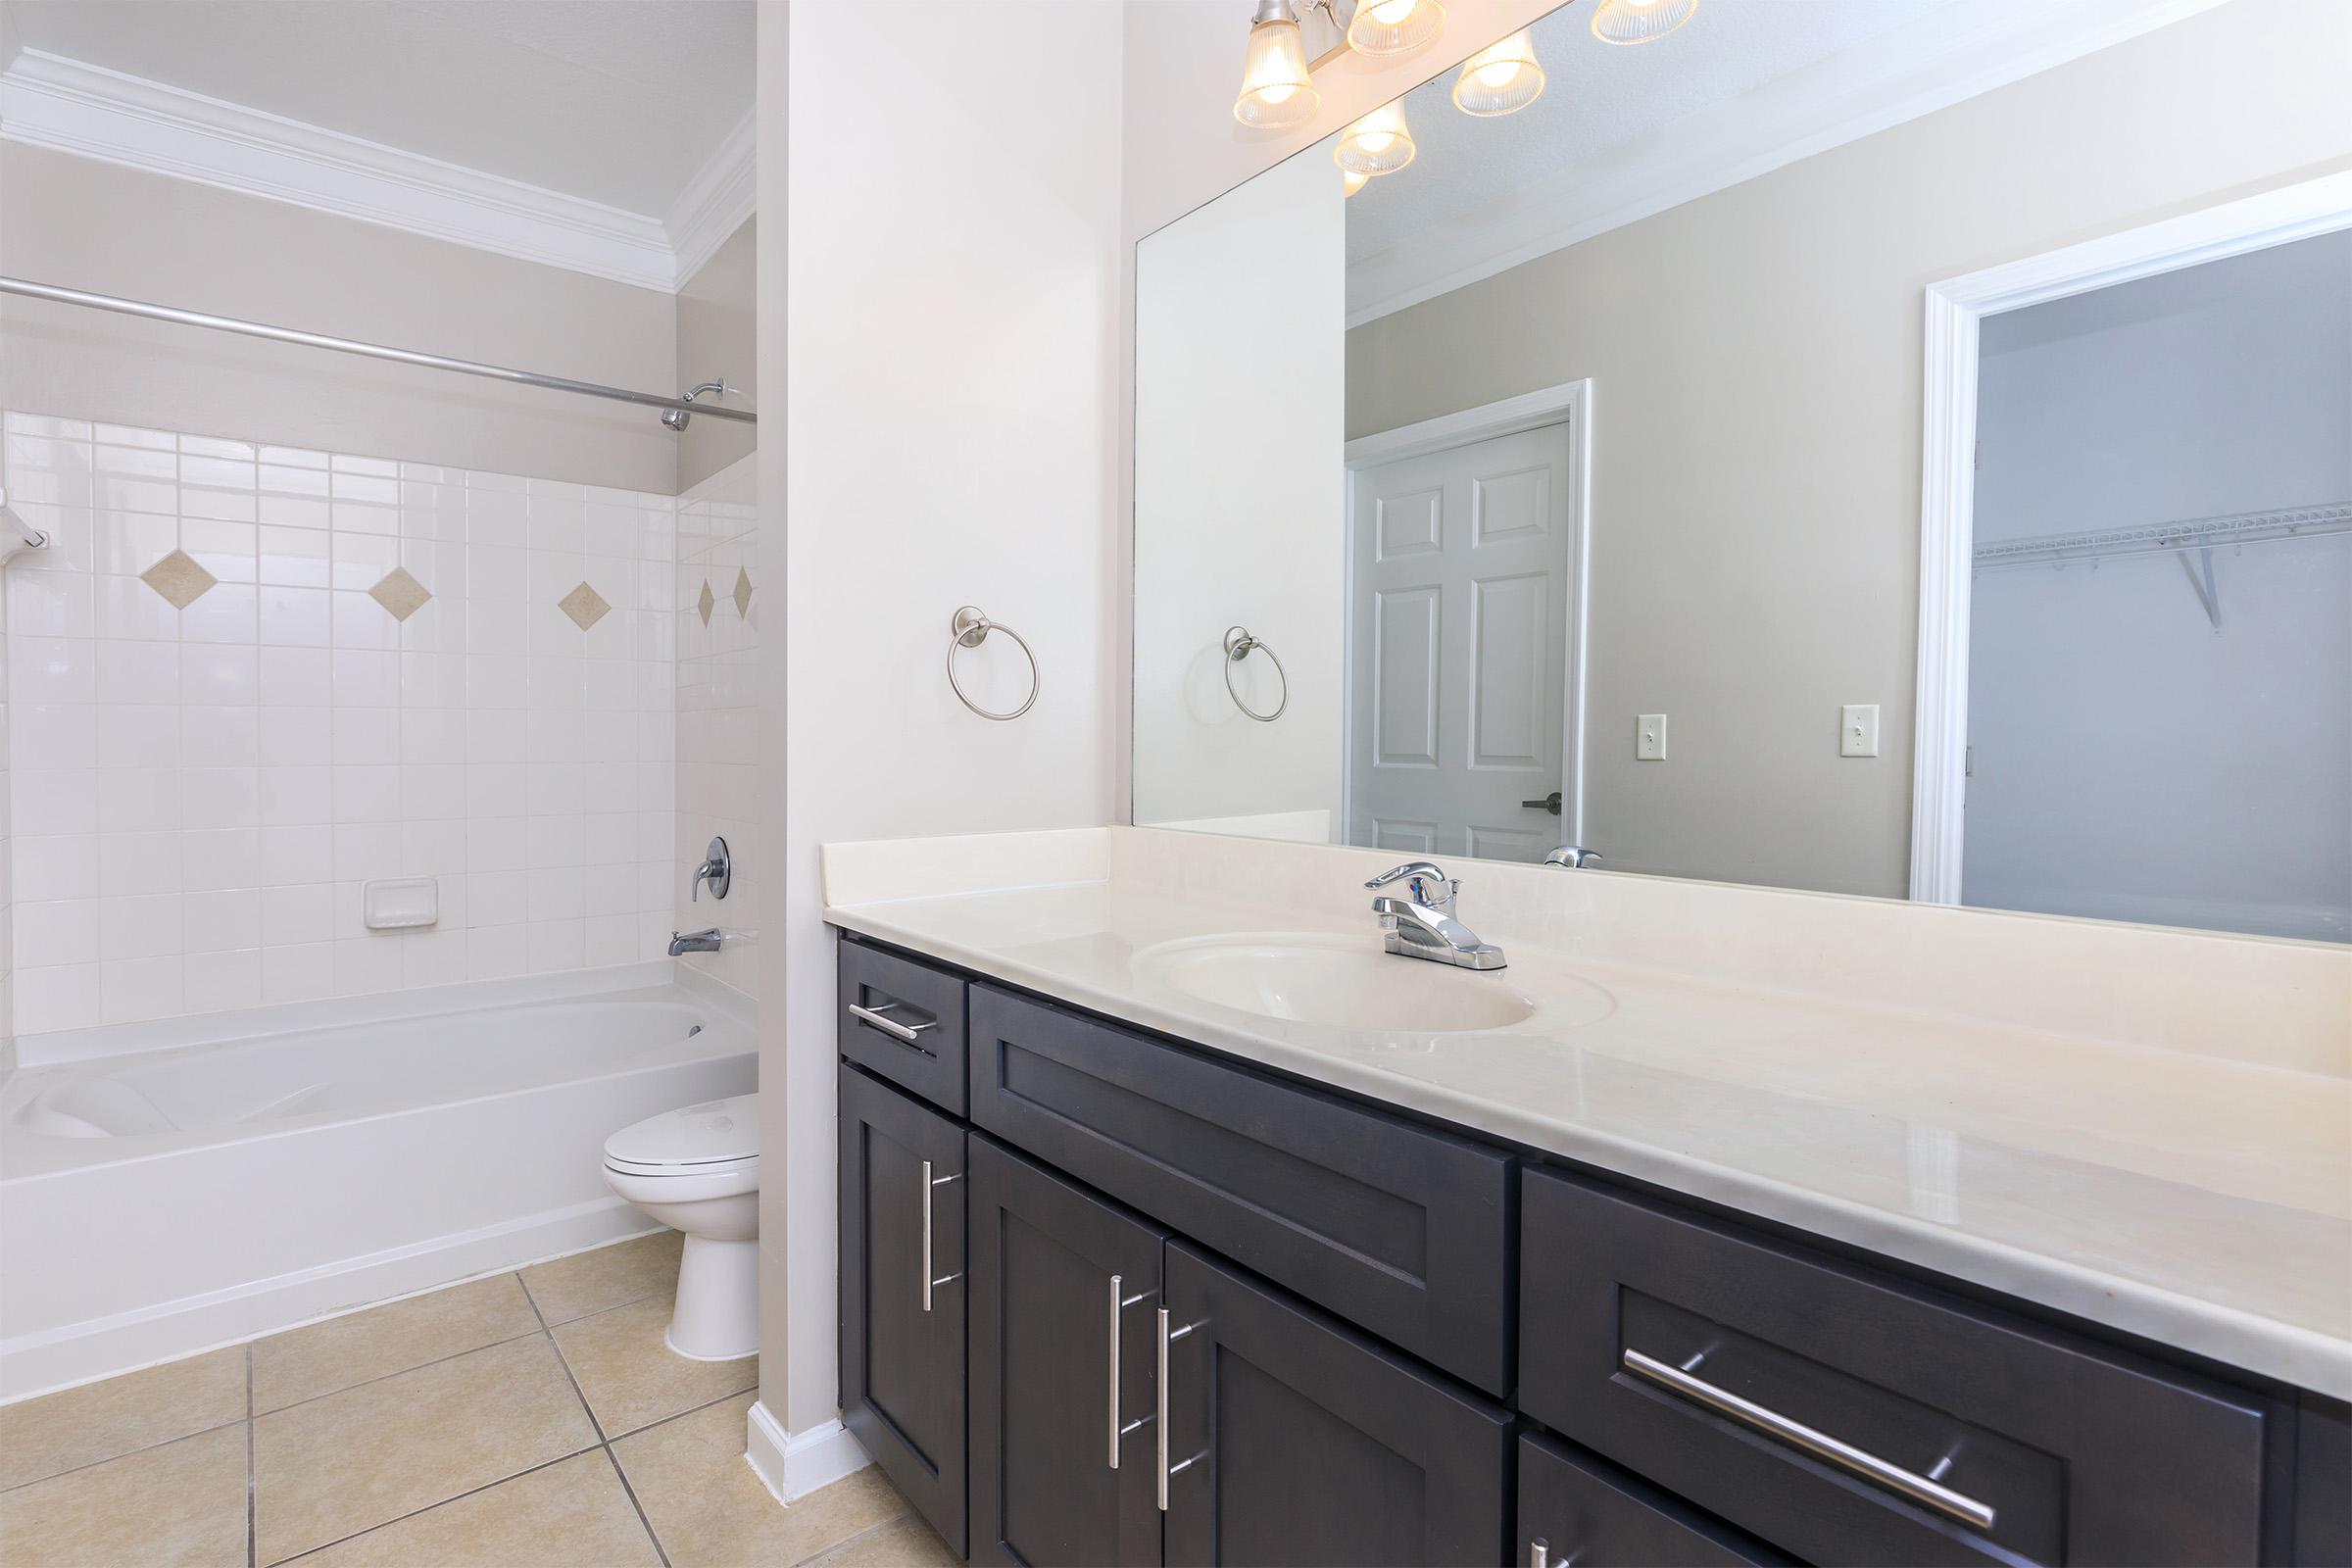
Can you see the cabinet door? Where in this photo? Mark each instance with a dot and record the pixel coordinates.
(1065, 1292)
(1293, 1440)
(903, 1293)
(1577, 1507)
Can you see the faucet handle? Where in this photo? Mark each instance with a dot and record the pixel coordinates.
(1411, 868)
(1572, 857)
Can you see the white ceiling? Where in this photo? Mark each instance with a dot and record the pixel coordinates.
(1621, 133)
(618, 102)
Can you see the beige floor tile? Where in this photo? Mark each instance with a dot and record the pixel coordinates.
(906, 1543)
(182, 1503)
(631, 1379)
(605, 1278)
(321, 1358)
(571, 1514)
(362, 1458)
(710, 1510)
(100, 1420)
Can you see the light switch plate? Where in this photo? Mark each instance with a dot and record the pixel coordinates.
(1650, 738)
(1858, 729)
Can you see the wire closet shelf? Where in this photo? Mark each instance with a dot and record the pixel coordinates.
(2168, 538)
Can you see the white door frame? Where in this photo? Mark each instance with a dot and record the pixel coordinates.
(1955, 309)
(1571, 401)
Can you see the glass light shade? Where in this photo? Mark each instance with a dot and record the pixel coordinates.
(1501, 78)
(1393, 26)
(1350, 181)
(1639, 20)
(1276, 91)
(1377, 144)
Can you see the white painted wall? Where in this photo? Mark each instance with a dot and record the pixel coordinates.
(2128, 760)
(1757, 365)
(717, 343)
(946, 277)
(1240, 516)
(86, 225)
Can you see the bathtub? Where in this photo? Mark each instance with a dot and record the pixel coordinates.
(165, 1187)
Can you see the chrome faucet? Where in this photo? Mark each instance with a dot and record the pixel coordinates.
(695, 941)
(1421, 924)
(1571, 857)
(718, 870)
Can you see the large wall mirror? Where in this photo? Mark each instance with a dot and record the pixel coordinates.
(1892, 447)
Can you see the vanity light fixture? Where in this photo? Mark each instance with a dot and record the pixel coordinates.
(1277, 92)
(1380, 143)
(1639, 20)
(1393, 26)
(1501, 78)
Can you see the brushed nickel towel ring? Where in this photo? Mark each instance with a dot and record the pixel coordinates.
(970, 628)
(1240, 645)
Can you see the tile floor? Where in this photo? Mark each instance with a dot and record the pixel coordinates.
(528, 1419)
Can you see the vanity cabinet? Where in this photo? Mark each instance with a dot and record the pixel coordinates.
(1378, 1341)
(1064, 1306)
(903, 1293)
(1294, 1440)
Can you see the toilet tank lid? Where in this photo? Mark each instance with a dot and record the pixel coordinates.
(709, 1134)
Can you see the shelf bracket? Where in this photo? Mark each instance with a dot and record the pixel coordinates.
(2201, 578)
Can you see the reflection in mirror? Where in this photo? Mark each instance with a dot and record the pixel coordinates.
(1563, 485)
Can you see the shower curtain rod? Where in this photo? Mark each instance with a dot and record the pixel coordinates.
(372, 351)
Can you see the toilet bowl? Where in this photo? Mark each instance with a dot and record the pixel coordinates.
(696, 1170)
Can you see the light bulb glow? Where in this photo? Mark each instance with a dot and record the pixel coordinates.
(1395, 26)
(1499, 79)
(1639, 20)
(1276, 91)
(1350, 181)
(1380, 143)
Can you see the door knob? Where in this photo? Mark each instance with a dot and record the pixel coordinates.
(1550, 803)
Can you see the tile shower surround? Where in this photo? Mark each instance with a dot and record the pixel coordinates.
(246, 679)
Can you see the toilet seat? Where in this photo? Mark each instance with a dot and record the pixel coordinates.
(720, 1139)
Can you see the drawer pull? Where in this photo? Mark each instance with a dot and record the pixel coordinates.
(1918, 1487)
(929, 1183)
(910, 1034)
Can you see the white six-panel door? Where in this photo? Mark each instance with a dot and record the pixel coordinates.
(1460, 614)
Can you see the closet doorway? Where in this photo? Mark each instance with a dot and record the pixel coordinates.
(2156, 722)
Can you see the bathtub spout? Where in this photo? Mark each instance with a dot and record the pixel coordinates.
(694, 942)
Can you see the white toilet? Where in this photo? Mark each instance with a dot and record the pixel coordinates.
(696, 1170)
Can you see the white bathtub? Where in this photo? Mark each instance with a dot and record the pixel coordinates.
(169, 1187)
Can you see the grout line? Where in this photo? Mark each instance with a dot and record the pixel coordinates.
(252, 1545)
(602, 1442)
(144, 1448)
(630, 1492)
(386, 1377)
(442, 1502)
(847, 1541)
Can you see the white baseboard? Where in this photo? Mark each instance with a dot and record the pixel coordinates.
(792, 1465)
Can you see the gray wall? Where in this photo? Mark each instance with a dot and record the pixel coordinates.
(87, 224)
(714, 344)
(1756, 363)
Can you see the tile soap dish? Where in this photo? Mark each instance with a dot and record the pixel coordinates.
(401, 905)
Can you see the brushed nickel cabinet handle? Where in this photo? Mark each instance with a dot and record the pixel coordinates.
(871, 1017)
(1114, 1371)
(1168, 1471)
(928, 1281)
(1856, 1461)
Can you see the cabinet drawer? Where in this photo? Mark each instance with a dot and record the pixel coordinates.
(1579, 1508)
(903, 1021)
(1849, 1417)
(1399, 1230)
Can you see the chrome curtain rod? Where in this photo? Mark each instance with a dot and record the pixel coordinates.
(372, 351)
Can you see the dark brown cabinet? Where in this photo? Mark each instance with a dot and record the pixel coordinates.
(903, 1293)
(1294, 1440)
(1064, 1304)
(1576, 1507)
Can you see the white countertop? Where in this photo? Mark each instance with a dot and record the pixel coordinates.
(2204, 1202)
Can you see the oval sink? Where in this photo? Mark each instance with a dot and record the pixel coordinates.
(1338, 983)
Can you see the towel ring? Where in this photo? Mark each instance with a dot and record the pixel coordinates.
(1240, 645)
(970, 628)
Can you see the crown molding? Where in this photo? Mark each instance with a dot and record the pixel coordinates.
(714, 201)
(1954, 55)
(68, 106)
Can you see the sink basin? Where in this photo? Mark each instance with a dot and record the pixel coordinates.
(1336, 983)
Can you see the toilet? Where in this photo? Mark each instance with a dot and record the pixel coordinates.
(696, 1170)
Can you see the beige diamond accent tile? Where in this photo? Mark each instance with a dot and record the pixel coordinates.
(399, 594)
(706, 602)
(179, 579)
(743, 593)
(584, 605)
